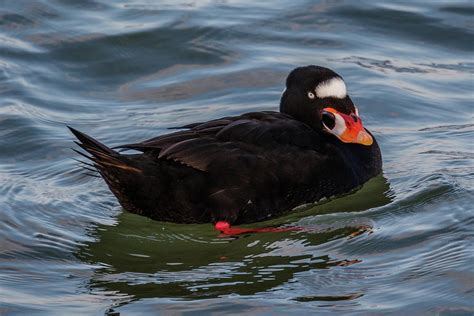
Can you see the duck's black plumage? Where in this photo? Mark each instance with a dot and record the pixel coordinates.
(245, 168)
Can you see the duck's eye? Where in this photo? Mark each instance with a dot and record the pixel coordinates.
(311, 95)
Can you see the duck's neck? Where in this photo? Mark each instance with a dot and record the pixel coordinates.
(366, 161)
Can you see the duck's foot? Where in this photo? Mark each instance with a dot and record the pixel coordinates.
(225, 229)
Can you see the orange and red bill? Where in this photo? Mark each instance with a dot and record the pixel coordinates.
(349, 128)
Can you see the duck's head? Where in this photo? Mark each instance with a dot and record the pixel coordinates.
(318, 97)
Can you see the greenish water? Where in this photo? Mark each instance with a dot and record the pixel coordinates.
(127, 70)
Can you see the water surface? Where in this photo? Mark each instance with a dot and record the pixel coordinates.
(127, 70)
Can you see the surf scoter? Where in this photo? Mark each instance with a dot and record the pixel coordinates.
(246, 168)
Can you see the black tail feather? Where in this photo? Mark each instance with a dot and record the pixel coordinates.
(102, 156)
(84, 162)
(82, 154)
(88, 168)
(89, 142)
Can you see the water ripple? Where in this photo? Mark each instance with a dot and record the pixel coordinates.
(128, 70)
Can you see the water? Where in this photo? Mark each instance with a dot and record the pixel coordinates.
(124, 71)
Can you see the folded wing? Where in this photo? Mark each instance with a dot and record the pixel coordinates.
(230, 140)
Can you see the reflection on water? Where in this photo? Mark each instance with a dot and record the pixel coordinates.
(142, 258)
(127, 70)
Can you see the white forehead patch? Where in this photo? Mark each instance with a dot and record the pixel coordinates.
(335, 88)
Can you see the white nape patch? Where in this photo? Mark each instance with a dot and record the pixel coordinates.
(335, 88)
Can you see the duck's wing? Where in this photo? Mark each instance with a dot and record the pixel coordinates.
(231, 139)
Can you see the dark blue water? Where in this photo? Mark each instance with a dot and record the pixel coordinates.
(127, 70)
